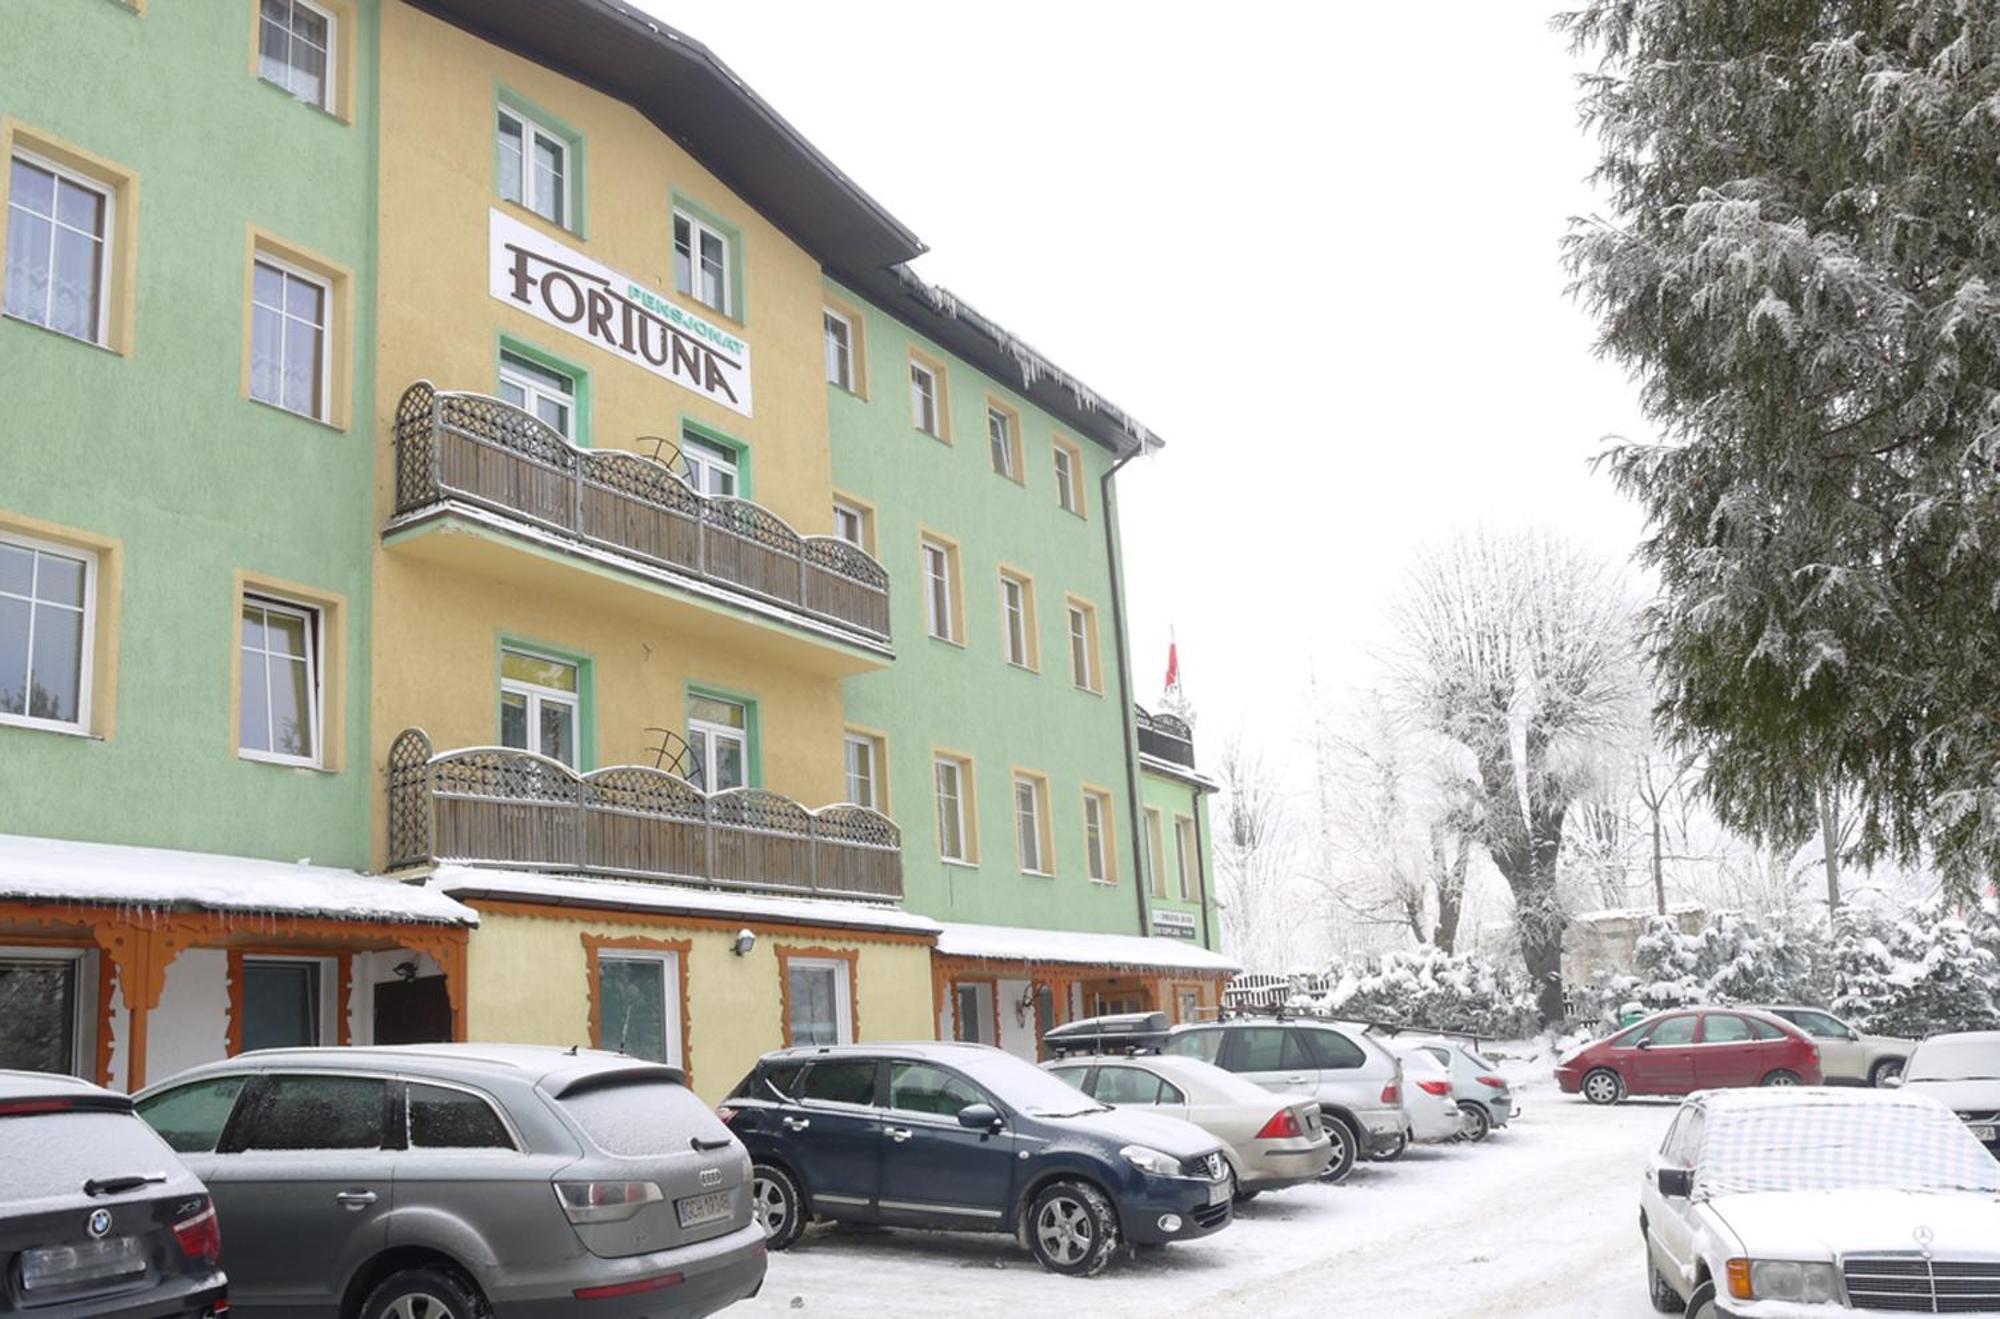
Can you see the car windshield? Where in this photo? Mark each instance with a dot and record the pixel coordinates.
(1022, 1084)
(1955, 1060)
(1835, 1142)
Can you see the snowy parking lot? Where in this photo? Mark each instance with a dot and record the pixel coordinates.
(1540, 1220)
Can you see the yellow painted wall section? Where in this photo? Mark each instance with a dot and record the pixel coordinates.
(528, 981)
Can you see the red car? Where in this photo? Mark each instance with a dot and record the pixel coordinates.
(1689, 1049)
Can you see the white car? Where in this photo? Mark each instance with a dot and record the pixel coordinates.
(1428, 1104)
(1783, 1203)
(1962, 1072)
(1482, 1094)
(1848, 1056)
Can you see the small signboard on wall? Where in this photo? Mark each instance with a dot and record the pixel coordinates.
(1173, 924)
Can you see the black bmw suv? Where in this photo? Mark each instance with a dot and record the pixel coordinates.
(965, 1136)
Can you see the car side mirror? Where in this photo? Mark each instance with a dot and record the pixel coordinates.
(1894, 1082)
(1646, 1043)
(1676, 1183)
(979, 1117)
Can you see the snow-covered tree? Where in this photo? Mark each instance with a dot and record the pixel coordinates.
(1430, 987)
(1255, 859)
(1801, 267)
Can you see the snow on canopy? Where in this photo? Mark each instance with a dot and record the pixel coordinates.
(155, 878)
(1007, 943)
(1830, 1141)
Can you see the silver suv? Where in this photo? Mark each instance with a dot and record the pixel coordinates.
(453, 1181)
(1359, 1084)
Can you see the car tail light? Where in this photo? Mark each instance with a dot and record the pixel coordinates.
(1435, 1087)
(1284, 1123)
(605, 1202)
(1392, 1093)
(611, 1289)
(1497, 1082)
(727, 1114)
(200, 1234)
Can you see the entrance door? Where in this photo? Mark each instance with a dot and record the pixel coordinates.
(412, 1011)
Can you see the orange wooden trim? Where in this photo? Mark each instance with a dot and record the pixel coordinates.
(938, 990)
(683, 949)
(104, 1014)
(135, 1053)
(343, 1031)
(235, 983)
(676, 921)
(956, 967)
(994, 983)
(786, 956)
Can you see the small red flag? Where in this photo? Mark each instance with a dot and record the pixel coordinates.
(1173, 665)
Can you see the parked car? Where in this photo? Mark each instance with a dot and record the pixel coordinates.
(1428, 1105)
(1271, 1141)
(1962, 1072)
(1481, 1092)
(1847, 1056)
(97, 1216)
(447, 1181)
(1763, 1202)
(1358, 1082)
(1689, 1049)
(966, 1137)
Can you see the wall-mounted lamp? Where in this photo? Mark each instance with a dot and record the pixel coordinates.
(407, 970)
(1027, 1003)
(745, 941)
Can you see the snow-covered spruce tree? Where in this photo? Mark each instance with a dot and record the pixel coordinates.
(1913, 971)
(1802, 267)
(1430, 987)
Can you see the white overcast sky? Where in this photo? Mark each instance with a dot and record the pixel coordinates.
(1314, 247)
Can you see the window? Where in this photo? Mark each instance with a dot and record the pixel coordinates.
(1083, 645)
(534, 166)
(1330, 1050)
(1097, 851)
(539, 705)
(839, 349)
(941, 589)
(295, 49)
(712, 468)
(923, 1088)
(1017, 620)
(1269, 1049)
(864, 770)
(924, 409)
(58, 245)
(547, 395)
(1673, 1031)
(1068, 461)
(41, 1010)
(638, 1005)
(1130, 1085)
(1031, 823)
(817, 994)
(719, 740)
(1156, 867)
(281, 1003)
(701, 262)
(1003, 437)
(317, 1113)
(1819, 1025)
(954, 825)
(976, 1021)
(289, 344)
(1203, 1044)
(278, 716)
(845, 1082)
(48, 602)
(1722, 1028)
(1187, 859)
(446, 1119)
(190, 1118)
(852, 523)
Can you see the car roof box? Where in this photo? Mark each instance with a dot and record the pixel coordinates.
(1129, 1032)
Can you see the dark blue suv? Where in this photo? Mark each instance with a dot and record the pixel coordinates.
(965, 1136)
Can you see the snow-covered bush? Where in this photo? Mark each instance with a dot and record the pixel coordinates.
(1917, 971)
(1428, 987)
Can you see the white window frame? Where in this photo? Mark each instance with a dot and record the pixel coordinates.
(1068, 497)
(669, 963)
(1032, 860)
(537, 696)
(104, 248)
(1082, 655)
(704, 457)
(870, 750)
(83, 993)
(315, 622)
(329, 98)
(925, 399)
(325, 367)
(86, 661)
(696, 228)
(1096, 836)
(956, 766)
(511, 373)
(1007, 442)
(839, 349)
(326, 990)
(713, 734)
(1014, 626)
(940, 591)
(985, 1012)
(843, 993)
(531, 129)
(858, 516)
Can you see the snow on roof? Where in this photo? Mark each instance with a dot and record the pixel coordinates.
(1637, 913)
(111, 874)
(1009, 943)
(599, 891)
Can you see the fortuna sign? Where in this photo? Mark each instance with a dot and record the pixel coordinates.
(593, 302)
(1173, 924)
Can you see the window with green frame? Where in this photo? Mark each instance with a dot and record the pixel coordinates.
(722, 740)
(545, 703)
(539, 161)
(708, 258)
(549, 388)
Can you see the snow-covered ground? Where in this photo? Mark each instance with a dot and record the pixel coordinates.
(1540, 1220)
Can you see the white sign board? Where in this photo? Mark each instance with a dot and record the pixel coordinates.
(1173, 924)
(568, 290)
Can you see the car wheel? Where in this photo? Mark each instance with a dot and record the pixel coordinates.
(1782, 1077)
(1394, 1152)
(425, 1293)
(1665, 1299)
(1478, 1122)
(1072, 1229)
(777, 1204)
(1603, 1086)
(1343, 1142)
(1701, 1305)
(1879, 1074)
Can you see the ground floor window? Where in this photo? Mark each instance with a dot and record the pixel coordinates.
(41, 1018)
(818, 996)
(977, 1023)
(1187, 1005)
(281, 1003)
(639, 1005)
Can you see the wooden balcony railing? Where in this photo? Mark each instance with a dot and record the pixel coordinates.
(1165, 736)
(494, 806)
(481, 451)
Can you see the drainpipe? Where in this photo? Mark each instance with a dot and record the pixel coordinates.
(1109, 502)
(1201, 869)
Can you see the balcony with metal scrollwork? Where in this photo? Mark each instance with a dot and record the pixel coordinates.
(508, 809)
(1165, 737)
(474, 464)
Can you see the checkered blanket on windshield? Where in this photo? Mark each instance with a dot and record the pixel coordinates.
(1807, 1141)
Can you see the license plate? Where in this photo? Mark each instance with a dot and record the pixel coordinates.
(110, 1260)
(699, 1209)
(1218, 1192)
(1984, 1131)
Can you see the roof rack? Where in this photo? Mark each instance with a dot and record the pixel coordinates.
(1129, 1033)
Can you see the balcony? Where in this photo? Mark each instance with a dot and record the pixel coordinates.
(1165, 737)
(493, 806)
(471, 451)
